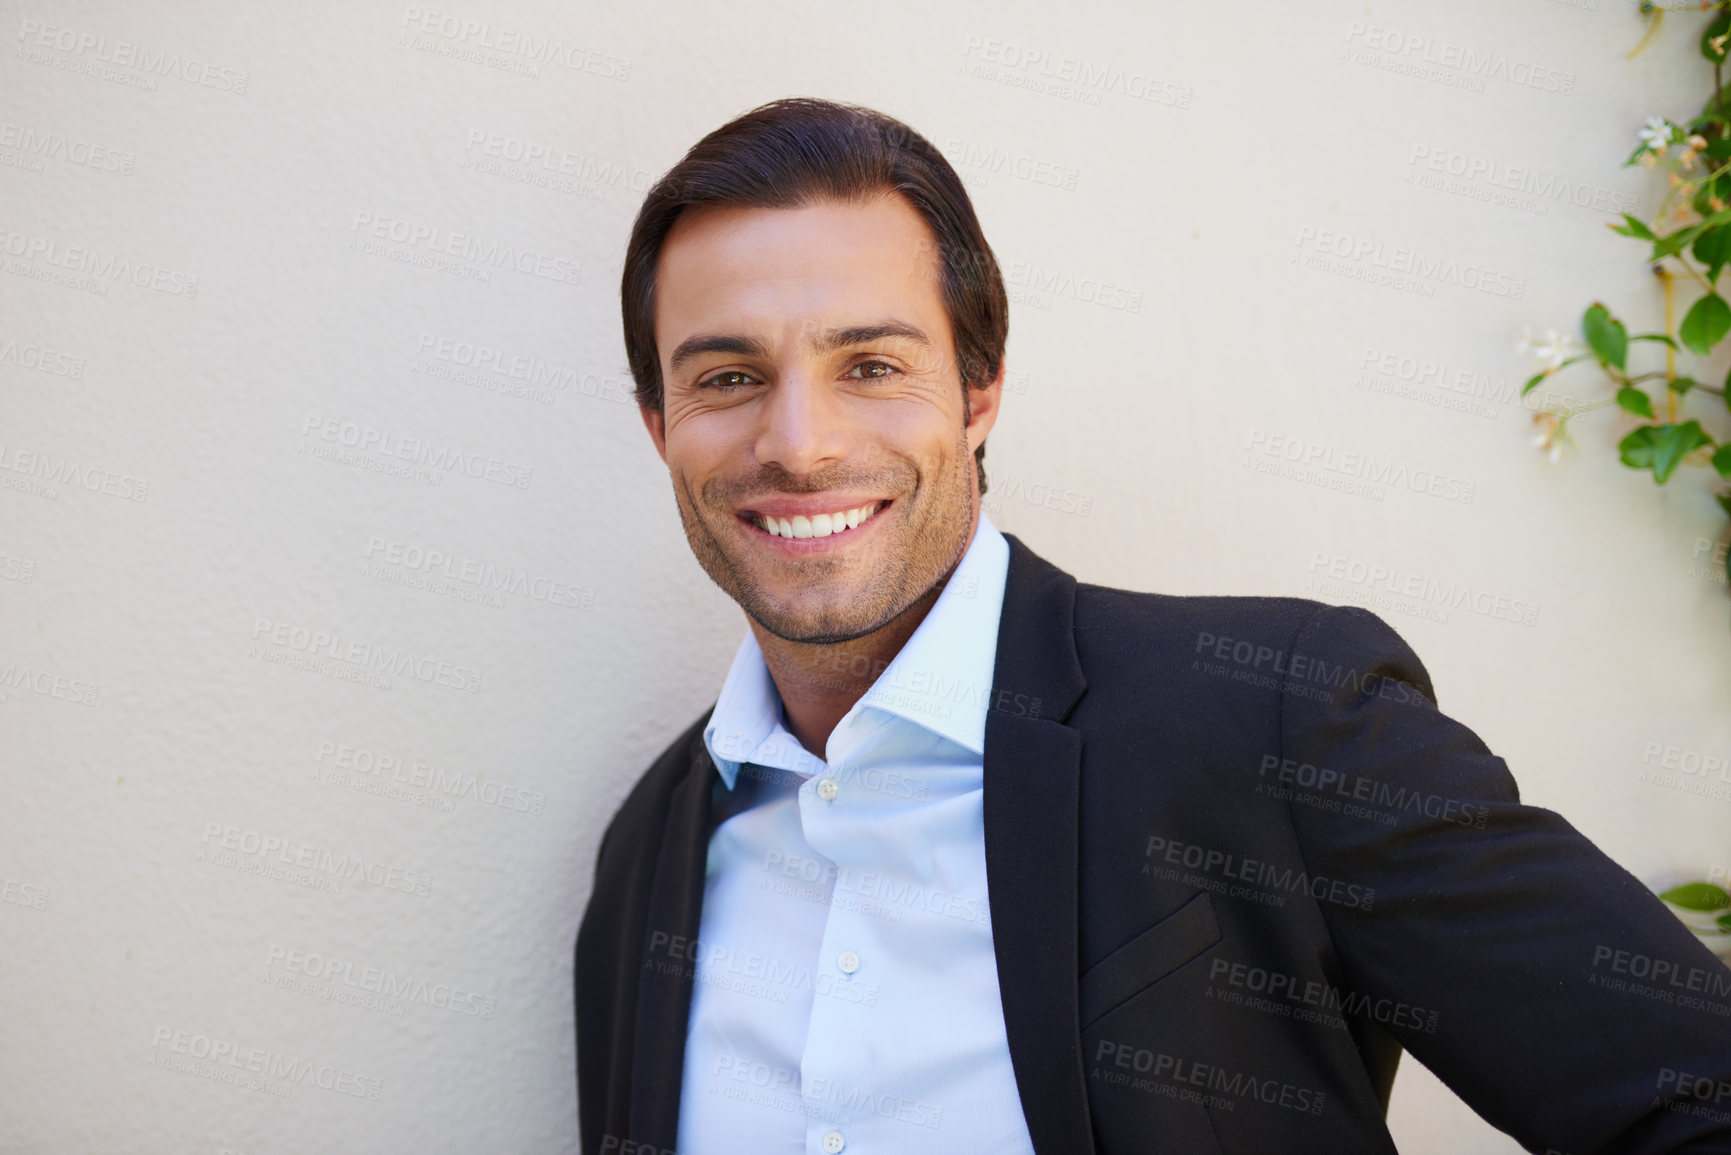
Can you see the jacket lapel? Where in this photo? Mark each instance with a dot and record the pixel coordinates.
(1032, 780)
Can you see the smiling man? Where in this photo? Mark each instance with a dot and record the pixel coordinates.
(969, 856)
(820, 442)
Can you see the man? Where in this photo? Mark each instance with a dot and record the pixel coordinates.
(971, 857)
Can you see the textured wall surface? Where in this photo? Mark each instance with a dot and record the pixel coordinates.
(342, 596)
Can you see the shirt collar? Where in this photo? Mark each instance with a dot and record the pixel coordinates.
(941, 680)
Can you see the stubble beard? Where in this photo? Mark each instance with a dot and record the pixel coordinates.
(926, 541)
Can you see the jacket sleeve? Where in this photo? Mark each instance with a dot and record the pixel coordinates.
(1569, 1007)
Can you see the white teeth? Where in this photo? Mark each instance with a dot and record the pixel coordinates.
(820, 525)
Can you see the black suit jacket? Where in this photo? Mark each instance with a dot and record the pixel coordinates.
(1237, 861)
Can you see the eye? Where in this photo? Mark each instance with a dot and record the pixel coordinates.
(720, 380)
(888, 371)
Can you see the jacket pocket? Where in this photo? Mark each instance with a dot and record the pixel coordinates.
(1148, 958)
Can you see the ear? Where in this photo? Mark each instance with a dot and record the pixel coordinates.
(656, 422)
(983, 403)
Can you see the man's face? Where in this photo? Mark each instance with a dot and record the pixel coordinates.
(809, 371)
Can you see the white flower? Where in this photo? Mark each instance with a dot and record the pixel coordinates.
(1550, 435)
(1657, 134)
(1551, 352)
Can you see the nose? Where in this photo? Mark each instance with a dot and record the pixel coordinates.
(804, 424)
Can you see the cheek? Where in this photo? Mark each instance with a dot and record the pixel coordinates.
(917, 427)
(700, 441)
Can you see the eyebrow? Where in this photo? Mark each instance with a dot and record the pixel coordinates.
(826, 341)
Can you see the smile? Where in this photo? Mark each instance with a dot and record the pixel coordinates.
(820, 525)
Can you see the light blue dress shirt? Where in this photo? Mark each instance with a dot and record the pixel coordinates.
(846, 993)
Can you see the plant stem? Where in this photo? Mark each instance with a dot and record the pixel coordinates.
(1687, 268)
(1587, 408)
(1665, 279)
(1658, 18)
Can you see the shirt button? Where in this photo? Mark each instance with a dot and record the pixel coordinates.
(849, 963)
(833, 1142)
(828, 788)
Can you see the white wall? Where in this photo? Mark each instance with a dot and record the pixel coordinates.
(197, 418)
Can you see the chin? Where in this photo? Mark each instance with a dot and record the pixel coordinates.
(815, 627)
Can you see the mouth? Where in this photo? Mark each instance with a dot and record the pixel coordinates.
(840, 525)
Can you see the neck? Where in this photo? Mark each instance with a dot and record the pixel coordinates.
(820, 682)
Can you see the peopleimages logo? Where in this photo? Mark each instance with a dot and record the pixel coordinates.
(1177, 1069)
(530, 48)
(249, 1065)
(51, 470)
(48, 684)
(1264, 874)
(101, 266)
(1429, 57)
(434, 459)
(41, 358)
(49, 145)
(91, 50)
(1289, 772)
(228, 846)
(374, 980)
(1543, 188)
(1285, 455)
(1285, 993)
(362, 655)
(1403, 265)
(437, 241)
(482, 576)
(1451, 595)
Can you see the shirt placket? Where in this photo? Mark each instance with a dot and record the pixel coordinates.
(841, 1063)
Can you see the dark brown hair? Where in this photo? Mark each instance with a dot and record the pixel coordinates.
(790, 153)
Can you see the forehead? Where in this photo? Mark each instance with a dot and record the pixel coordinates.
(772, 271)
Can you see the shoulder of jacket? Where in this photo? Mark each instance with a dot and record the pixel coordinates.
(647, 801)
(1249, 615)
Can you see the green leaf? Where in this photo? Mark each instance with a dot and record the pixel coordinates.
(1606, 335)
(1719, 186)
(1636, 449)
(1661, 448)
(1673, 243)
(1681, 385)
(1722, 461)
(1724, 500)
(1719, 26)
(1720, 99)
(1713, 248)
(1533, 381)
(1697, 896)
(1723, 922)
(1672, 443)
(1654, 337)
(1635, 401)
(1636, 228)
(1707, 321)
